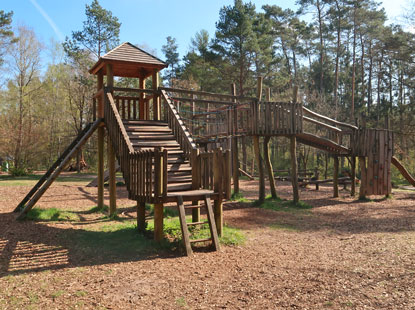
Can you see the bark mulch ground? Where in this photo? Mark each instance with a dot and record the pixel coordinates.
(341, 254)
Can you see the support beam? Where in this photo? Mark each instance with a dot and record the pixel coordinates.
(363, 171)
(194, 160)
(156, 98)
(257, 151)
(100, 168)
(218, 175)
(260, 165)
(353, 176)
(112, 178)
(268, 165)
(235, 157)
(267, 158)
(158, 222)
(336, 176)
(294, 163)
(141, 108)
(141, 216)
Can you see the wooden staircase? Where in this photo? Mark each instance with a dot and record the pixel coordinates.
(148, 135)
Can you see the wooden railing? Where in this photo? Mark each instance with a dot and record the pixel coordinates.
(211, 170)
(144, 172)
(273, 118)
(176, 124)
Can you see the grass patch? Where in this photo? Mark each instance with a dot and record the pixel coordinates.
(231, 236)
(168, 212)
(279, 204)
(98, 209)
(239, 197)
(116, 239)
(285, 227)
(51, 214)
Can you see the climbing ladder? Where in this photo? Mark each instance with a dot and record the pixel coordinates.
(47, 179)
(185, 225)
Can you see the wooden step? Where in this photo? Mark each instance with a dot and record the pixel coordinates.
(193, 207)
(197, 223)
(179, 187)
(151, 137)
(179, 178)
(147, 129)
(156, 144)
(200, 240)
(145, 123)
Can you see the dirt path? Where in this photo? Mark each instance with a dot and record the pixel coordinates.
(342, 254)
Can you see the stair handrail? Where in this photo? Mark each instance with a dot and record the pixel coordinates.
(178, 127)
(136, 166)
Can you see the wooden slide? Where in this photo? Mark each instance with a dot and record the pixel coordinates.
(403, 171)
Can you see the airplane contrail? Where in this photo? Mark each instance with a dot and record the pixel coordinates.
(49, 20)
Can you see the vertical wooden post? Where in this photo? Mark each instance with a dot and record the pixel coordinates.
(110, 153)
(257, 150)
(100, 85)
(156, 98)
(158, 221)
(112, 177)
(336, 171)
(267, 158)
(316, 175)
(195, 183)
(336, 176)
(217, 174)
(362, 164)
(141, 216)
(235, 157)
(293, 150)
(141, 108)
(353, 176)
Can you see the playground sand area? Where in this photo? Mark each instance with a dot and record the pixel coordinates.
(341, 254)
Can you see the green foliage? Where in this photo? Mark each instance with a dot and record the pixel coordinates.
(172, 59)
(6, 33)
(167, 211)
(51, 214)
(18, 171)
(239, 197)
(98, 209)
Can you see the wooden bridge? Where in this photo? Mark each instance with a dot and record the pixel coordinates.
(163, 137)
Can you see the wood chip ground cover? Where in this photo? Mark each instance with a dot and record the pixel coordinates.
(341, 254)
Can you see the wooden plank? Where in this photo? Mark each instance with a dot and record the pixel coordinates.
(58, 169)
(183, 225)
(112, 179)
(158, 222)
(212, 223)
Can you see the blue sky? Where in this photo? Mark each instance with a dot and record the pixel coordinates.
(144, 22)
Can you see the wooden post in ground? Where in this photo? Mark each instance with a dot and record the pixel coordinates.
(112, 177)
(217, 175)
(362, 165)
(195, 183)
(353, 175)
(235, 157)
(110, 153)
(293, 151)
(156, 98)
(336, 177)
(100, 168)
(336, 172)
(257, 150)
(267, 158)
(158, 221)
(141, 216)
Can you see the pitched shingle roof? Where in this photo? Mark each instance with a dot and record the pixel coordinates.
(127, 56)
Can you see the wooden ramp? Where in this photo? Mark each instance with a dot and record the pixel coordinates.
(403, 171)
(47, 179)
(322, 143)
(185, 226)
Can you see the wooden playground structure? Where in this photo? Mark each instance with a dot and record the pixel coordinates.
(176, 145)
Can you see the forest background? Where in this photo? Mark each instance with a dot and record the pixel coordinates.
(349, 62)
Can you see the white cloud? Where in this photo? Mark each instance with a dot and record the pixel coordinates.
(51, 23)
